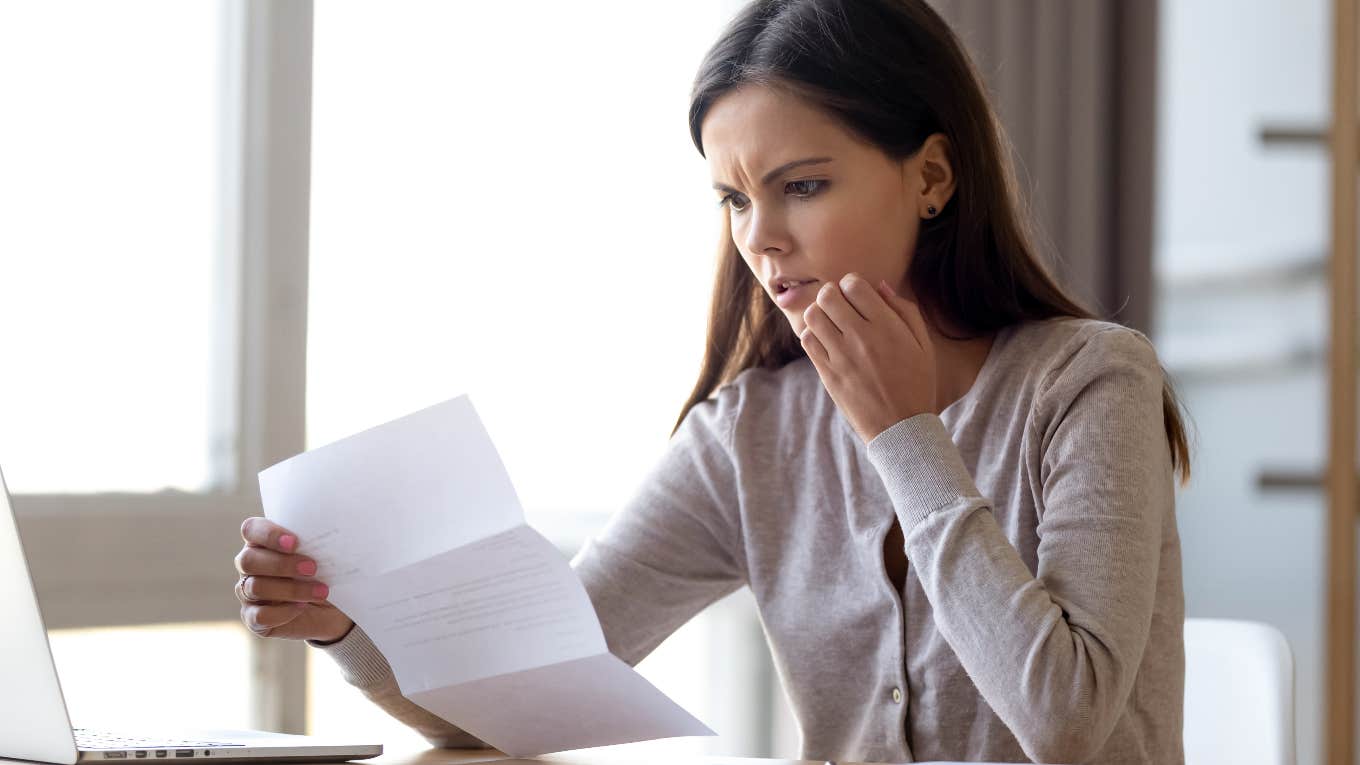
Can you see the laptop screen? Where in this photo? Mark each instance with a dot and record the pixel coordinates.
(34, 724)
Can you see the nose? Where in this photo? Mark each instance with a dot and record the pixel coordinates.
(766, 232)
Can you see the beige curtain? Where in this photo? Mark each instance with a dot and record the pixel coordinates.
(1073, 82)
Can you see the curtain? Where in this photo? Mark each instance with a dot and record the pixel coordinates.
(1073, 83)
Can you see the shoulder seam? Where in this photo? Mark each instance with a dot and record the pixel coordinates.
(738, 550)
(1045, 383)
(1047, 379)
(730, 426)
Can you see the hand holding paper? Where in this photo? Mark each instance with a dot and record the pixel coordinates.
(418, 531)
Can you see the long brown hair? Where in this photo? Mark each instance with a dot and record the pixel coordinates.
(893, 73)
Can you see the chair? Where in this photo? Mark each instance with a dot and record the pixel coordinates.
(1239, 693)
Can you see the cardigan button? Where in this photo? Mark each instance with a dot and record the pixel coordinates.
(897, 696)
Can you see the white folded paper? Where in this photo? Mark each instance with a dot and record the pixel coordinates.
(417, 530)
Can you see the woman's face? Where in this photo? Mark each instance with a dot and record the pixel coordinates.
(807, 200)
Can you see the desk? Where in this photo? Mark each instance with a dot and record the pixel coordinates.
(623, 754)
(608, 755)
(601, 756)
(605, 755)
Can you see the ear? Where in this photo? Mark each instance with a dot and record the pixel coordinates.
(931, 172)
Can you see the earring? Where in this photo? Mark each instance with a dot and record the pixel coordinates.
(930, 211)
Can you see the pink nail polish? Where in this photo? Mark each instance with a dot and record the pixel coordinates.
(320, 591)
(307, 567)
(287, 542)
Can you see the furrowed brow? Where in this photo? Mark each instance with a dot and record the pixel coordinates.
(775, 173)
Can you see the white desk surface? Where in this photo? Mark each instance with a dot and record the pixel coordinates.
(608, 755)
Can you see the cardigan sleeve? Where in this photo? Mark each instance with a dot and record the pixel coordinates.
(1054, 653)
(671, 550)
(675, 546)
(364, 667)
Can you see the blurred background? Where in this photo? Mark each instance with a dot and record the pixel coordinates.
(232, 230)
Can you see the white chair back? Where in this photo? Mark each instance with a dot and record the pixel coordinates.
(1239, 694)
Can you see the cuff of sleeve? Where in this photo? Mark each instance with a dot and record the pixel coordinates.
(360, 660)
(920, 467)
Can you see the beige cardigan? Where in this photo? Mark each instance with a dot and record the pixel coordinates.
(1042, 613)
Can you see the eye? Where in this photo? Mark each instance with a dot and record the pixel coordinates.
(727, 202)
(807, 188)
(817, 186)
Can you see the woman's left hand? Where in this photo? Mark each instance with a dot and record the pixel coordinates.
(873, 353)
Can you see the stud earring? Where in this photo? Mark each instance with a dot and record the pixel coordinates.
(930, 211)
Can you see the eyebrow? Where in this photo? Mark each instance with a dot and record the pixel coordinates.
(775, 173)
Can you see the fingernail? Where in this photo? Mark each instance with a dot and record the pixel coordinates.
(307, 567)
(287, 541)
(320, 591)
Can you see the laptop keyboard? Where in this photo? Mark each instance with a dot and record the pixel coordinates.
(95, 739)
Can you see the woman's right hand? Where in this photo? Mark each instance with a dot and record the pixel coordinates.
(278, 592)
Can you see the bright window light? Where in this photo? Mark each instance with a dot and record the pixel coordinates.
(107, 243)
(515, 211)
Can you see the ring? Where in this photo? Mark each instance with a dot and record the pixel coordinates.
(241, 588)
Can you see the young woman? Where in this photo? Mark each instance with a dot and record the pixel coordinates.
(949, 486)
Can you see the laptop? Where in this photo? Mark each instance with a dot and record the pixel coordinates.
(34, 723)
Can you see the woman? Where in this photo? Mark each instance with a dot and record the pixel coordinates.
(949, 486)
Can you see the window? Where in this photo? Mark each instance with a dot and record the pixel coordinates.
(108, 247)
(145, 295)
(140, 678)
(505, 210)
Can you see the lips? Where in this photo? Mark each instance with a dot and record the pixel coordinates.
(795, 295)
(777, 281)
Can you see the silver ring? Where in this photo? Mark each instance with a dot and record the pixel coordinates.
(241, 588)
